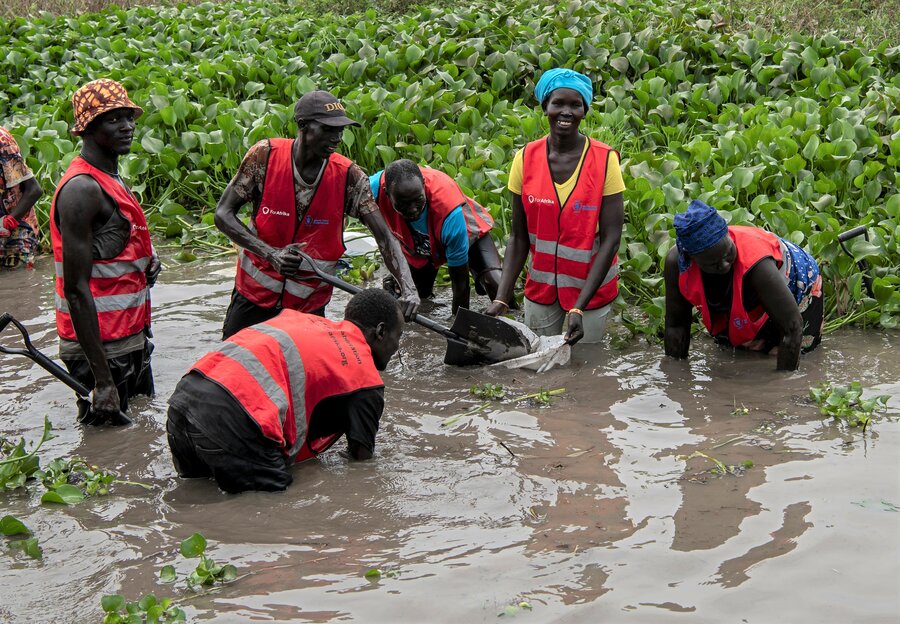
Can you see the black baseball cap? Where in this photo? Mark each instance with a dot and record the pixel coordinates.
(323, 107)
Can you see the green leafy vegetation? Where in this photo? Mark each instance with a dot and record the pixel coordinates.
(488, 391)
(66, 481)
(497, 392)
(11, 526)
(150, 609)
(846, 403)
(796, 133)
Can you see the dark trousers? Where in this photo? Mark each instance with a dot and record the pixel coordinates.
(130, 372)
(263, 467)
(243, 313)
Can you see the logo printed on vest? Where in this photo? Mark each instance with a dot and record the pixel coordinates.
(271, 211)
(311, 221)
(539, 200)
(140, 228)
(741, 322)
(579, 207)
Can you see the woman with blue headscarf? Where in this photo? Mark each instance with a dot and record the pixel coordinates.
(754, 289)
(567, 212)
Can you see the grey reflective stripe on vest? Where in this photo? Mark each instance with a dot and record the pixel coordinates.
(112, 269)
(266, 281)
(303, 291)
(564, 251)
(296, 378)
(472, 222)
(568, 281)
(275, 285)
(258, 371)
(109, 303)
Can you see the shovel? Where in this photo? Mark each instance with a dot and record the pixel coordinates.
(474, 338)
(86, 415)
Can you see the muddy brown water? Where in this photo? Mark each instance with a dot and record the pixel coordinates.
(587, 509)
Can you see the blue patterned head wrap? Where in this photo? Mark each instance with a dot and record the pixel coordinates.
(697, 229)
(559, 78)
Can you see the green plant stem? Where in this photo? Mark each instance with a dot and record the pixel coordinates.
(44, 437)
(471, 412)
(535, 395)
(146, 486)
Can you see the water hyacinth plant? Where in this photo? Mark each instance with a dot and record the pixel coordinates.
(794, 133)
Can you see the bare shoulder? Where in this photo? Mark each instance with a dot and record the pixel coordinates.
(81, 198)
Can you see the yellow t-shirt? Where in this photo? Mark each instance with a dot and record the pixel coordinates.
(614, 182)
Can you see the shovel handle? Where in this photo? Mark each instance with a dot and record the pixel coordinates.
(852, 233)
(30, 351)
(337, 282)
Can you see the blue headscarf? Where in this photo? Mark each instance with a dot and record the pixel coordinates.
(559, 78)
(697, 229)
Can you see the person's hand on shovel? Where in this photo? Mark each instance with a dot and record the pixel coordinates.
(103, 408)
(284, 260)
(409, 302)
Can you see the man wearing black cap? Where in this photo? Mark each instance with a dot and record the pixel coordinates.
(300, 191)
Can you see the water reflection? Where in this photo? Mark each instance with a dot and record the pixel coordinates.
(586, 508)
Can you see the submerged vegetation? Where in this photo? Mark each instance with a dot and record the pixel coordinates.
(799, 134)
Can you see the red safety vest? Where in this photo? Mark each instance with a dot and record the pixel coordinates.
(118, 285)
(753, 244)
(443, 196)
(281, 369)
(275, 222)
(564, 240)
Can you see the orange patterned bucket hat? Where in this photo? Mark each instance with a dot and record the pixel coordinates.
(98, 97)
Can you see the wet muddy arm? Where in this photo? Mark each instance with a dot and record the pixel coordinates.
(514, 257)
(79, 204)
(679, 311)
(31, 192)
(779, 303)
(395, 261)
(226, 219)
(459, 282)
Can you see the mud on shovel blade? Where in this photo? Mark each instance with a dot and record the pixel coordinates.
(86, 415)
(485, 339)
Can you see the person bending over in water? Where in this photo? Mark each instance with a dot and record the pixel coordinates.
(284, 391)
(437, 224)
(754, 290)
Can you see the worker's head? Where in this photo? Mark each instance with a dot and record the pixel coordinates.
(377, 314)
(321, 120)
(105, 115)
(702, 237)
(404, 184)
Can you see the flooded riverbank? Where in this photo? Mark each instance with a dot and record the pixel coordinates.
(587, 509)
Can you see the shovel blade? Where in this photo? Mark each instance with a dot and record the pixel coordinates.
(487, 339)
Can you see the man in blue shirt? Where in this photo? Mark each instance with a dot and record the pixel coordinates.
(436, 224)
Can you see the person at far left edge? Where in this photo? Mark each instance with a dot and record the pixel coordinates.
(300, 190)
(105, 262)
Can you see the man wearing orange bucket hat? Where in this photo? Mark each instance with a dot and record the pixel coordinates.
(105, 262)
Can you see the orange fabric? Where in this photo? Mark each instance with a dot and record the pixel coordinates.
(281, 369)
(122, 277)
(443, 196)
(753, 244)
(98, 97)
(275, 222)
(563, 238)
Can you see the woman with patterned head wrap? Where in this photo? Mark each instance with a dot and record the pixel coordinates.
(19, 234)
(753, 289)
(567, 212)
